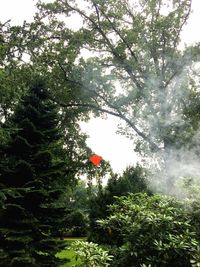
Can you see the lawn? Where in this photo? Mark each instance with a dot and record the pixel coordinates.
(69, 254)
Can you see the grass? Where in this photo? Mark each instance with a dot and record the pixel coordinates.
(68, 253)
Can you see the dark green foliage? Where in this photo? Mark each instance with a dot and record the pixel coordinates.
(153, 231)
(79, 197)
(133, 180)
(77, 223)
(33, 177)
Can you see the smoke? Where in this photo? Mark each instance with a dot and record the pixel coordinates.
(177, 170)
(179, 174)
(157, 112)
(176, 167)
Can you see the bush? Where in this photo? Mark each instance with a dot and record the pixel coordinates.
(133, 180)
(77, 223)
(90, 254)
(152, 231)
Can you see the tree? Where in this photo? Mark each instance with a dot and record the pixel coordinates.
(133, 180)
(79, 196)
(137, 44)
(11, 69)
(18, 69)
(34, 174)
(136, 70)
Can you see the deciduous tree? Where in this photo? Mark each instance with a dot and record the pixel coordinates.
(137, 48)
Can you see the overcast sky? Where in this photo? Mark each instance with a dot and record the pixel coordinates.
(103, 140)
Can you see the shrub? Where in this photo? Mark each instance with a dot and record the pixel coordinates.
(90, 254)
(76, 222)
(153, 231)
(133, 180)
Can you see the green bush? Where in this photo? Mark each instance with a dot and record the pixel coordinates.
(77, 223)
(133, 180)
(153, 231)
(195, 216)
(90, 255)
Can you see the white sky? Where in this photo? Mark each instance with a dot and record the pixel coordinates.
(103, 140)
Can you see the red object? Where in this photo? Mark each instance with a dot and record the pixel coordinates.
(96, 160)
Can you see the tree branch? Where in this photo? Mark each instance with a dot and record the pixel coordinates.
(116, 112)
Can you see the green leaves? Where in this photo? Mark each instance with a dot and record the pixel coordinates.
(126, 46)
(90, 254)
(136, 42)
(153, 230)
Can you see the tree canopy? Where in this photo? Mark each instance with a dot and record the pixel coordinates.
(135, 69)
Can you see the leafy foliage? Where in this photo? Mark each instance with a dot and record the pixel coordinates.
(133, 180)
(76, 223)
(137, 48)
(91, 255)
(152, 230)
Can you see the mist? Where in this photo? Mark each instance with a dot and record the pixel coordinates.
(176, 168)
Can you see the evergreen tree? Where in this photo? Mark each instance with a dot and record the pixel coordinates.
(33, 177)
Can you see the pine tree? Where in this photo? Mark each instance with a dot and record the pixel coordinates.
(33, 178)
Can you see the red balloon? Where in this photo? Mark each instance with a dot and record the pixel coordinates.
(96, 160)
